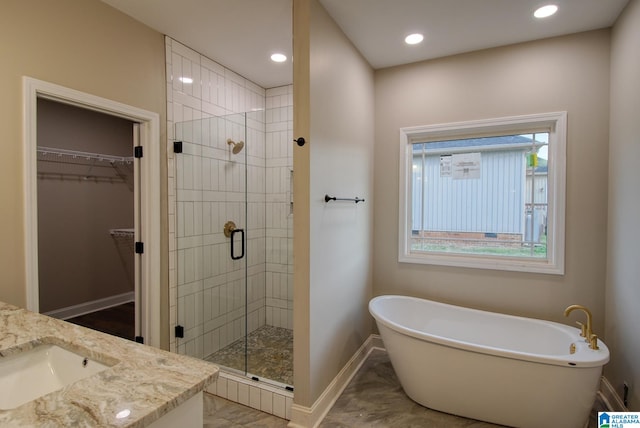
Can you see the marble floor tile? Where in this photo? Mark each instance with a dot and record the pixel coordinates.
(373, 398)
(221, 413)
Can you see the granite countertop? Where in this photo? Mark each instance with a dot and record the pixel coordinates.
(146, 381)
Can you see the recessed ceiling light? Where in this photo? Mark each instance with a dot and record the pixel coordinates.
(413, 39)
(278, 57)
(545, 11)
(185, 79)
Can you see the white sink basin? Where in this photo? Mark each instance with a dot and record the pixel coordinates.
(28, 375)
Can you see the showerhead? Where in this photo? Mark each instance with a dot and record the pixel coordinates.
(237, 147)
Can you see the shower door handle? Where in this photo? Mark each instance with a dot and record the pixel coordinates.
(233, 233)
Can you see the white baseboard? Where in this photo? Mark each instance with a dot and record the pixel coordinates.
(609, 396)
(92, 306)
(310, 417)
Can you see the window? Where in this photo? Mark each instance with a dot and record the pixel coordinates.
(485, 194)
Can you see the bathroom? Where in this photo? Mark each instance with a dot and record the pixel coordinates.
(342, 257)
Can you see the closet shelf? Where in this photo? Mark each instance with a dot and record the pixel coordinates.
(124, 233)
(53, 154)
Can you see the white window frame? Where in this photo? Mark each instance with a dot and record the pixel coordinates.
(556, 124)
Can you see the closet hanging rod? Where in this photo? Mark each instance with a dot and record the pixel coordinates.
(328, 198)
(75, 154)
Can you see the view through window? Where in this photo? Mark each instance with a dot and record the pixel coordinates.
(481, 195)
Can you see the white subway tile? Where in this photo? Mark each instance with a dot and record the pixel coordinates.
(243, 394)
(189, 311)
(207, 313)
(288, 403)
(266, 401)
(232, 390)
(279, 405)
(215, 341)
(167, 48)
(221, 387)
(176, 71)
(269, 315)
(180, 309)
(187, 72)
(188, 217)
(196, 75)
(205, 88)
(254, 397)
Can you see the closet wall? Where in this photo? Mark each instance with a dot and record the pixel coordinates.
(80, 201)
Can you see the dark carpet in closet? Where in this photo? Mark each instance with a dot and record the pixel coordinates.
(118, 320)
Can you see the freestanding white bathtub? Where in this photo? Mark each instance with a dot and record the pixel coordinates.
(493, 367)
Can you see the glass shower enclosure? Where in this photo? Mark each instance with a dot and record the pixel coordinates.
(234, 245)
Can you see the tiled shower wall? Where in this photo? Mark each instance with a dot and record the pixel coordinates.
(203, 180)
(279, 206)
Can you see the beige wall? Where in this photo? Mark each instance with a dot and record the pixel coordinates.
(623, 269)
(84, 45)
(560, 74)
(337, 160)
(301, 223)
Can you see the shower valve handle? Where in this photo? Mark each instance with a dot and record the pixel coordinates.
(228, 228)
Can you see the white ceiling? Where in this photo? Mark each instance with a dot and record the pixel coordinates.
(242, 34)
(239, 34)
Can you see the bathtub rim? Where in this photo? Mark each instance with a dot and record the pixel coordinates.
(584, 357)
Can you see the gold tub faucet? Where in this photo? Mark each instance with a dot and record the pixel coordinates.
(586, 331)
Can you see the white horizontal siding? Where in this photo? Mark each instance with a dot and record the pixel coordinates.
(493, 203)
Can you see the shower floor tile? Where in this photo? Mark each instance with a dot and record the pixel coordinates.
(269, 354)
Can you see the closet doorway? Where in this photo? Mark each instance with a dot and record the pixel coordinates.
(68, 272)
(86, 218)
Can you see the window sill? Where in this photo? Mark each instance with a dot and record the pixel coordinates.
(515, 264)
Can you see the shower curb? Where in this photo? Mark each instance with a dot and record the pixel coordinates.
(255, 394)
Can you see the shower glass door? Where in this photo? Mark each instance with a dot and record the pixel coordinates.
(212, 239)
(233, 244)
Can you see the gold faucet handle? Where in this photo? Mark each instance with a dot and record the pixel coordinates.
(593, 342)
(583, 329)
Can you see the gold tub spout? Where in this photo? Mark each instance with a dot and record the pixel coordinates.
(586, 332)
